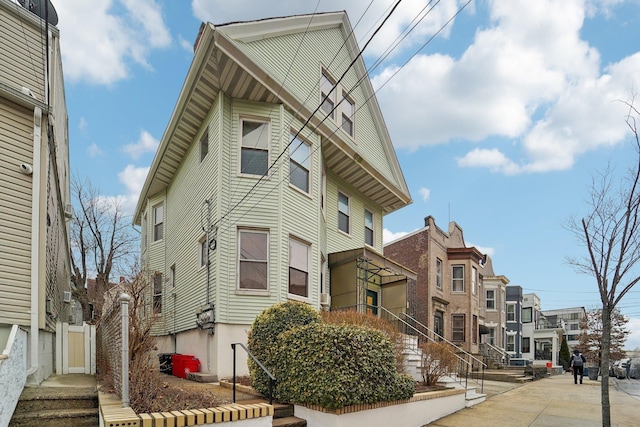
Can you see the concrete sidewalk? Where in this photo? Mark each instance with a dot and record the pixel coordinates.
(549, 402)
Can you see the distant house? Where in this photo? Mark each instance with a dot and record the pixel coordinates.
(521, 315)
(570, 319)
(448, 296)
(270, 184)
(34, 191)
(495, 320)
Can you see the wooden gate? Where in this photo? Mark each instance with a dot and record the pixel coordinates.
(76, 349)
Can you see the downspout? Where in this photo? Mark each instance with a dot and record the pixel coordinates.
(35, 238)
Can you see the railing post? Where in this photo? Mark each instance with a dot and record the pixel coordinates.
(233, 346)
(124, 313)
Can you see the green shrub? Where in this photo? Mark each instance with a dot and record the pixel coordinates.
(333, 366)
(263, 338)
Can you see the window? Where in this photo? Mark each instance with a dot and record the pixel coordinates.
(298, 268)
(457, 327)
(491, 337)
(255, 148)
(511, 343)
(323, 195)
(438, 273)
(328, 95)
(368, 227)
(157, 293)
(299, 153)
(204, 145)
(457, 278)
(172, 278)
(474, 280)
(491, 299)
(203, 254)
(474, 329)
(526, 344)
(253, 246)
(526, 315)
(348, 113)
(158, 222)
(144, 232)
(511, 312)
(343, 212)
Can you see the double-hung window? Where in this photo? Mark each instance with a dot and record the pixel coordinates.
(254, 152)
(157, 293)
(328, 96)
(348, 111)
(457, 278)
(457, 327)
(526, 344)
(438, 273)
(368, 227)
(491, 299)
(474, 280)
(526, 315)
(299, 161)
(158, 222)
(511, 312)
(253, 260)
(511, 343)
(299, 254)
(343, 213)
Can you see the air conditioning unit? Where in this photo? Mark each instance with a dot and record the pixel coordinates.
(325, 299)
(67, 296)
(68, 210)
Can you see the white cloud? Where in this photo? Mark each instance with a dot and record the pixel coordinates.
(425, 193)
(94, 151)
(145, 144)
(185, 44)
(482, 249)
(99, 40)
(390, 236)
(133, 178)
(82, 124)
(528, 77)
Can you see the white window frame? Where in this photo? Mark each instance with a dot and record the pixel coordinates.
(157, 286)
(454, 280)
(371, 229)
(158, 224)
(438, 273)
(348, 116)
(513, 306)
(492, 299)
(348, 214)
(204, 144)
(328, 90)
(239, 261)
(144, 232)
(296, 143)
(474, 280)
(241, 146)
(510, 346)
(304, 266)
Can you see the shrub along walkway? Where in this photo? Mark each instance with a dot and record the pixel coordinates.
(552, 401)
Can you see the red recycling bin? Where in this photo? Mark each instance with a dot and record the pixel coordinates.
(549, 364)
(183, 363)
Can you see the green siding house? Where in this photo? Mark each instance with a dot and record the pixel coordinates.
(276, 158)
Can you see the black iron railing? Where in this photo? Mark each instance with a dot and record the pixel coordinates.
(272, 379)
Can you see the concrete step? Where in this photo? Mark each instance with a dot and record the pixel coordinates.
(56, 417)
(282, 410)
(473, 398)
(289, 422)
(40, 398)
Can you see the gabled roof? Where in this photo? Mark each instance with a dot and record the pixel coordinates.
(221, 64)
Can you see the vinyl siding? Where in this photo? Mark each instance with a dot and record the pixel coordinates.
(276, 54)
(22, 50)
(16, 146)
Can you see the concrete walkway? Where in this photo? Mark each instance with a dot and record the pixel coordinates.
(549, 402)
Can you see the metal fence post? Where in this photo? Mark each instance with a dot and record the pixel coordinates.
(124, 312)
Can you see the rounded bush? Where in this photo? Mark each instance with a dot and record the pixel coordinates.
(263, 338)
(334, 366)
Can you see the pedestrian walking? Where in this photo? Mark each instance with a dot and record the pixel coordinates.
(628, 367)
(577, 365)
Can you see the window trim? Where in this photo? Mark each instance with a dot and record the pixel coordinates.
(157, 294)
(348, 214)
(493, 300)
(506, 347)
(454, 280)
(511, 305)
(331, 96)
(351, 118)
(158, 224)
(455, 330)
(307, 246)
(474, 280)
(439, 273)
(372, 229)
(309, 159)
(248, 291)
(252, 119)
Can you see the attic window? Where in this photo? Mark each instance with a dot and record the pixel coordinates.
(204, 145)
(348, 111)
(327, 96)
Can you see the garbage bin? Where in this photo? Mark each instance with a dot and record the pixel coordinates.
(166, 365)
(549, 364)
(180, 362)
(191, 365)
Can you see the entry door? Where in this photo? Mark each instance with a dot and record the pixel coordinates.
(438, 325)
(372, 302)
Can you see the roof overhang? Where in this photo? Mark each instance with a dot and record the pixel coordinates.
(383, 266)
(219, 65)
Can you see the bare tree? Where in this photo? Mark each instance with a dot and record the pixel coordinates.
(102, 239)
(611, 234)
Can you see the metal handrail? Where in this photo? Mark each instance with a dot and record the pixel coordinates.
(272, 379)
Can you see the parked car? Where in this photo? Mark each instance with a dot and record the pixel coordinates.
(621, 368)
(613, 367)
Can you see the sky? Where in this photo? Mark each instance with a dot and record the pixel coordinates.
(501, 112)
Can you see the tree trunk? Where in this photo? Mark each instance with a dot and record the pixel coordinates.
(604, 363)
